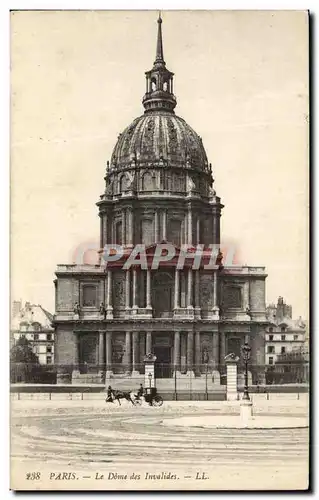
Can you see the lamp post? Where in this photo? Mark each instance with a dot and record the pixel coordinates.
(246, 349)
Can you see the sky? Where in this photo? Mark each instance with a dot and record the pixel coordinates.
(241, 81)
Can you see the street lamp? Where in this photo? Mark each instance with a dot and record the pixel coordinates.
(246, 349)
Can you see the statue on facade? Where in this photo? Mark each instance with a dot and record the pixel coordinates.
(76, 308)
(231, 357)
(219, 258)
(248, 312)
(102, 309)
(205, 356)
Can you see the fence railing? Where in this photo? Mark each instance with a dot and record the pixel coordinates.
(199, 376)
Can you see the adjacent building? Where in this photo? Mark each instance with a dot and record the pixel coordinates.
(159, 188)
(35, 323)
(284, 335)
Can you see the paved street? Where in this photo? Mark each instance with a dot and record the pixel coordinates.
(110, 447)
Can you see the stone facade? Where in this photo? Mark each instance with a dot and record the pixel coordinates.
(158, 189)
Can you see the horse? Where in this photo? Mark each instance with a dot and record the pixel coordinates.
(118, 395)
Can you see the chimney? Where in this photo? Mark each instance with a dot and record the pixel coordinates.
(16, 308)
(280, 309)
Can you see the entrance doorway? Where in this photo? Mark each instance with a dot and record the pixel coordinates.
(163, 362)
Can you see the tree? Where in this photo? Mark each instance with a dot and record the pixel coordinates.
(22, 352)
(22, 361)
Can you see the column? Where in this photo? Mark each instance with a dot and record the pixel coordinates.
(190, 288)
(190, 351)
(123, 227)
(214, 229)
(142, 343)
(135, 357)
(164, 225)
(176, 291)
(148, 348)
(101, 349)
(190, 226)
(246, 295)
(177, 351)
(108, 351)
(130, 227)
(134, 304)
(105, 226)
(109, 307)
(197, 352)
(198, 231)
(156, 227)
(128, 351)
(215, 349)
(222, 348)
(218, 228)
(77, 351)
(127, 289)
(148, 289)
(215, 306)
(101, 232)
(197, 288)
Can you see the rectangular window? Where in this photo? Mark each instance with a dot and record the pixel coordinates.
(283, 350)
(49, 360)
(271, 338)
(89, 296)
(295, 337)
(283, 337)
(49, 349)
(271, 361)
(49, 336)
(270, 348)
(36, 336)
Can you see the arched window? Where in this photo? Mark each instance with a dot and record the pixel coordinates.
(148, 182)
(283, 328)
(123, 183)
(153, 84)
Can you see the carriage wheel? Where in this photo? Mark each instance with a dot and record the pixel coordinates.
(138, 402)
(157, 401)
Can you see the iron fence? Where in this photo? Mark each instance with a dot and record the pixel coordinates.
(197, 376)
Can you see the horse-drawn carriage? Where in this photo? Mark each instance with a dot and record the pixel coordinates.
(150, 396)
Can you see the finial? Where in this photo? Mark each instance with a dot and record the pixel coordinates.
(159, 46)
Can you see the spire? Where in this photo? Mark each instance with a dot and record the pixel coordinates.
(159, 46)
(159, 80)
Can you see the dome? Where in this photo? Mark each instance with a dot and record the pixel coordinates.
(157, 136)
(159, 153)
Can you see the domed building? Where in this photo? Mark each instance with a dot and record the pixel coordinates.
(158, 190)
